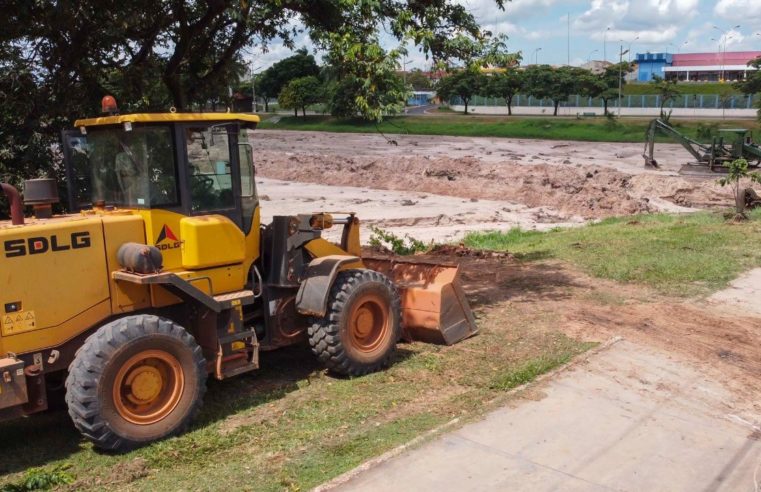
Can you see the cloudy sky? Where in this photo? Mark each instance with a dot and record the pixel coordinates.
(649, 25)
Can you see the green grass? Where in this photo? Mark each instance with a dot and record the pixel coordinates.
(455, 124)
(683, 88)
(528, 371)
(289, 426)
(691, 254)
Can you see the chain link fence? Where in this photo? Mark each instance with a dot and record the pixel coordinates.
(691, 101)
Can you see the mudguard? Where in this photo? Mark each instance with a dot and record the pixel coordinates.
(312, 297)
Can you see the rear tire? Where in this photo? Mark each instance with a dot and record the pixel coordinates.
(136, 380)
(360, 329)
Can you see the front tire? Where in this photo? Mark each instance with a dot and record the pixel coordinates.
(359, 332)
(136, 380)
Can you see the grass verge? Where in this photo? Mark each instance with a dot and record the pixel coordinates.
(691, 254)
(455, 124)
(290, 426)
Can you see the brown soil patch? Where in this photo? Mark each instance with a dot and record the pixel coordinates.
(721, 344)
(585, 190)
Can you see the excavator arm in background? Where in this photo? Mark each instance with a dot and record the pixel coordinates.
(700, 152)
(728, 145)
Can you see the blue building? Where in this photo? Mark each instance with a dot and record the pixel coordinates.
(420, 98)
(651, 64)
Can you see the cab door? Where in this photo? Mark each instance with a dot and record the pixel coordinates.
(213, 231)
(213, 170)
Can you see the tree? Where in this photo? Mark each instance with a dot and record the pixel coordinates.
(737, 172)
(605, 85)
(418, 80)
(271, 81)
(464, 83)
(667, 91)
(506, 85)
(300, 93)
(366, 73)
(556, 84)
(58, 58)
(752, 83)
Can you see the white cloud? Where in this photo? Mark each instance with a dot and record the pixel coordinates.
(488, 11)
(706, 38)
(652, 21)
(739, 10)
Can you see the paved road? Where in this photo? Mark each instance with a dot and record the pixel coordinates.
(628, 419)
(419, 110)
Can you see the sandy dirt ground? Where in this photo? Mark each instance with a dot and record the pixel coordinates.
(567, 179)
(455, 184)
(424, 216)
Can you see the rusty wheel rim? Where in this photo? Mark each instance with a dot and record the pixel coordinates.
(369, 323)
(148, 387)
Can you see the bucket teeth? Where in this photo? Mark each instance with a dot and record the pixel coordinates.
(434, 306)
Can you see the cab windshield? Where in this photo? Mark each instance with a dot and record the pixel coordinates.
(124, 168)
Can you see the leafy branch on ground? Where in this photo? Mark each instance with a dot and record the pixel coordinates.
(41, 479)
(403, 246)
(737, 173)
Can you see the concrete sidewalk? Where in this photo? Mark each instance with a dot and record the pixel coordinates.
(630, 418)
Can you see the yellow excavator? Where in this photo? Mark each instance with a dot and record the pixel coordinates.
(161, 274)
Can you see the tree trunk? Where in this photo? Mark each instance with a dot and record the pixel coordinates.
(466, 105)
(557, 103)
(304, 111)
(174, 86)
(509, 101)
(605, 105)
(296, 112)
(266, 105)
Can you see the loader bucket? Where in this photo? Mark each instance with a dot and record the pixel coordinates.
(434, 307)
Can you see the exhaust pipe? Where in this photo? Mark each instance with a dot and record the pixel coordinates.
(14, 199)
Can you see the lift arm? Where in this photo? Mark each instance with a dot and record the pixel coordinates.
(690, 145)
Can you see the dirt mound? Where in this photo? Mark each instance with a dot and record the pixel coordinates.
(583, 179)
(584, 190)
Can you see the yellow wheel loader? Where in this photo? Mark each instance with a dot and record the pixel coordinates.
(162, 275)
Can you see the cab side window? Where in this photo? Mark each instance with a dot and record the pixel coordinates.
(211, 181)
(247, 184)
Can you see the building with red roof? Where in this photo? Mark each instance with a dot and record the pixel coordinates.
(696, 67)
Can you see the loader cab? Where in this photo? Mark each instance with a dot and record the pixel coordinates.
(189, 175)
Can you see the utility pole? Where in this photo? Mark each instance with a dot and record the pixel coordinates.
(254, 106)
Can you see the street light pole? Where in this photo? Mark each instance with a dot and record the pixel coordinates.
(724, 52)
(605, 44)
(620, 75)
(536, 56)
(630, 48)
(589, 58)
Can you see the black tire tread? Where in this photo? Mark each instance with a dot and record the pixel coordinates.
(324, 333)
(86, 369)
